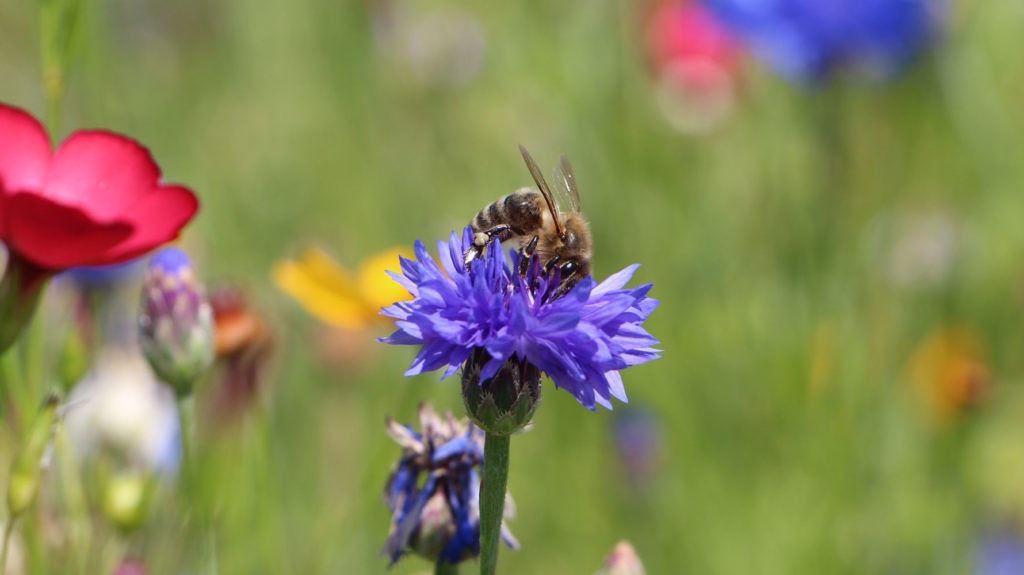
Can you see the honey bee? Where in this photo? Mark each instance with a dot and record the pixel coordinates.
(534, 218)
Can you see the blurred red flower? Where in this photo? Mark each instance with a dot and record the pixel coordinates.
(686, 31)
(96, 200)
(695, 61)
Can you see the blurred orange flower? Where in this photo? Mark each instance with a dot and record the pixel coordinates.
(243, 345)
(949, 371)
(333, 295)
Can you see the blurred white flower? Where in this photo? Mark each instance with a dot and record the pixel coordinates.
(442, 48)
(695, 97)
(119, 407)
(917, 249)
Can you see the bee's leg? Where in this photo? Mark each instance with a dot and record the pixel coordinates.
(564, 287)
(527, 253)
(482, 239)
(531, 247)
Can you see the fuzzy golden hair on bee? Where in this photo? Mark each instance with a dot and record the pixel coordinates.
(536, 219)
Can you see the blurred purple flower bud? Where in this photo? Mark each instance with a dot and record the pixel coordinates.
(638, 446)
(623, 560)
(175, 321)
(131, 567)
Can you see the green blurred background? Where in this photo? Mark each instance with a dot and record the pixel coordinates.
(792, 436)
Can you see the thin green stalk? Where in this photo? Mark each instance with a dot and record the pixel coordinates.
(35, 352)
(492, 499)
(73, 495)
(186, 406)
(58, 27)
(8, 530)
(13, 382)
(446, 568)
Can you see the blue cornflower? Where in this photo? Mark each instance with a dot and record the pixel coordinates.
(1000, 552)
(433, 491)
(581, 338)
(808, 39)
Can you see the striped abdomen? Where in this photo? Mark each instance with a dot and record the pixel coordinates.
(522, 211)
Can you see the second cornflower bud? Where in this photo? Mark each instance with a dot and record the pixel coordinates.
(175, 321)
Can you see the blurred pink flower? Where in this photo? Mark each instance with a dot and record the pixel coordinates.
(695, 62)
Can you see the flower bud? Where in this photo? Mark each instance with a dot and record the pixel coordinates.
(505, 403)
(126, 499)
(28, 466)
(623, 560)
(175, 321)
(435, 529)
(131, 567)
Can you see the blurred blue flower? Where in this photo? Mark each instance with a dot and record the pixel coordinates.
(1000, 553)
(434, 490)
(581, 338)
(638, 442)
(808, 39)
(103, 277)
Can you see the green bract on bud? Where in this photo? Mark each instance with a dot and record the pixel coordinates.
(504, 403)
(28, 466)
(175, 321)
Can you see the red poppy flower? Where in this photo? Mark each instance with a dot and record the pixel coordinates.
(96, 200)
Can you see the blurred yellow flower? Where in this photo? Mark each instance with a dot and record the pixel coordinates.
(949, 372)
(335, 296)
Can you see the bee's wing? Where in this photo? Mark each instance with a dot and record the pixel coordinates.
(544, 189)
(565, 185)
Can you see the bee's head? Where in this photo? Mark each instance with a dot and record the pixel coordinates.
(574, 251)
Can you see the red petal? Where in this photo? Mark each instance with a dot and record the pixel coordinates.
(54, 236)
(102, 173)
(24, 151)
(157, 218)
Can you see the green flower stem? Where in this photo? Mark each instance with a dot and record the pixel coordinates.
(446, 568)
(8, 530)
(58, 21)
(492, 499)
(73, 495)
(35, 351)
(14, 383)
(186, 411)
(20, 292)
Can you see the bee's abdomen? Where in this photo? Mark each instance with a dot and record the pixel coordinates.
(521, 211)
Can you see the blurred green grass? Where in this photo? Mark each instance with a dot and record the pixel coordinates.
(292, 127)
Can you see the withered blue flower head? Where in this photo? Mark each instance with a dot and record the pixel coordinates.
(433, 491)
(581, 338)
